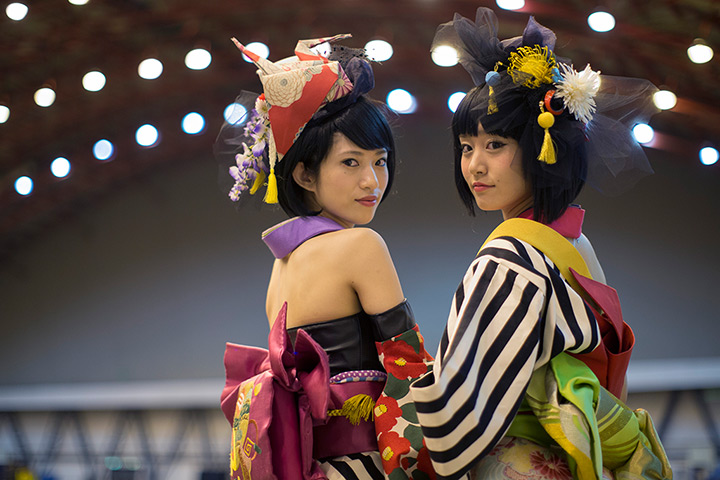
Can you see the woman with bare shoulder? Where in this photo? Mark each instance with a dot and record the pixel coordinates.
(329, 156)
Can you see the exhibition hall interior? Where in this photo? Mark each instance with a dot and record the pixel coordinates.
(125, 268)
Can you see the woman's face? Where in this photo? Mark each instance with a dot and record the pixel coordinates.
(350, 183)
(492, 168)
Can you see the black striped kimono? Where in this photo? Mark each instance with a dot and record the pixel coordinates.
(357, 466)
(511, 314)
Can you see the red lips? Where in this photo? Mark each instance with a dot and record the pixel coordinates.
(480, 187)
(368, 201)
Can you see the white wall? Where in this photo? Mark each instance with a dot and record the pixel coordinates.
(150, 281)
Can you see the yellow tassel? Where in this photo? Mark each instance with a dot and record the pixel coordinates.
(271, 195)
(547, 151)
(492, 103)
(259, 180)
(355, 408)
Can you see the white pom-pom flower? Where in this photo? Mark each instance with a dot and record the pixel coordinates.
(262, 108)
(578, 90)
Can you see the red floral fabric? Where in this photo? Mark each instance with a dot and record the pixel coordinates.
(400, 438)
(393, 449)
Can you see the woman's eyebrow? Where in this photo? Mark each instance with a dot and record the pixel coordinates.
(360, 152)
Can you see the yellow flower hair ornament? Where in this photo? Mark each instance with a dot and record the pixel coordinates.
(514, 78)
(532, 66)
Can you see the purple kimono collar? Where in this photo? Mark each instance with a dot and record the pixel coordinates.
(285, 237)
(568, 225)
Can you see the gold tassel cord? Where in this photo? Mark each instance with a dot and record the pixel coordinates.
(271, 195)
(492, 78)
(258, 182)
(356, 408)
(492, 103)
(547, 151)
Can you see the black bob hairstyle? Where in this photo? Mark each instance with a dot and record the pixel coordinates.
(362, 122)
(554, 187)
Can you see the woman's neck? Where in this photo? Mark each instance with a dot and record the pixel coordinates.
(518, 209)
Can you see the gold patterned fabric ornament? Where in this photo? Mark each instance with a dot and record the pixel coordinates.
(294, 90)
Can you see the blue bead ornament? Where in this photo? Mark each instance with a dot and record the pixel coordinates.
(556, 77)
(492, 78)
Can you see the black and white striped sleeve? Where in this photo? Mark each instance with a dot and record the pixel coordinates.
(511, 313)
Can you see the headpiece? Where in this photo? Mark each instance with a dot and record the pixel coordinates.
(545, 97)
(295, 90)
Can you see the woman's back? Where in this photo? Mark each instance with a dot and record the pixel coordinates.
(323, 147)
(334, 275)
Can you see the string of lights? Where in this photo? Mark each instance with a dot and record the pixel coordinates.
(400, 100)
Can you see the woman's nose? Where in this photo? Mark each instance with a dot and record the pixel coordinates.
(477, 164)
(369, 178)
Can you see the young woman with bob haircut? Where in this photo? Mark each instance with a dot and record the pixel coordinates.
(528, 375)
(327, 154)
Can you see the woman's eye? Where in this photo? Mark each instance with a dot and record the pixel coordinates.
(350, 162)
(495, 144)
(382, 162)
(465, 148)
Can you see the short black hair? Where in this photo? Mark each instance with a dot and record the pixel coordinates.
(363, 122)
(554, 187)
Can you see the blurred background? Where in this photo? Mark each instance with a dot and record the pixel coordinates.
(124, 268)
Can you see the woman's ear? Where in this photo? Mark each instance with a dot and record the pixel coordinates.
(304, 177)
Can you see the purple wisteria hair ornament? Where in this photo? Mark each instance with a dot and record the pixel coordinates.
(528, 88)
(296, 90)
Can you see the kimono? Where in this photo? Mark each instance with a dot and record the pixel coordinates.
(514, 391)
(303, 409)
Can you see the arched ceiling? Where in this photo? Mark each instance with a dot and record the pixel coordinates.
(57, 43)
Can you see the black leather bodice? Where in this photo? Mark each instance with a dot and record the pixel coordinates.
(350, 341)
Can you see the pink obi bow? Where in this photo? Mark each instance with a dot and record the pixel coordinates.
(272, 398)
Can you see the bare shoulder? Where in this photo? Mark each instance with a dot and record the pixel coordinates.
(359, 243)
(362, 235)
(358, 259)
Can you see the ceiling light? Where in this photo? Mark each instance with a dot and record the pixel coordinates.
(78, 2)
(454, 100)
(700, 51)
(45, 97)
(103, 150)
(664, 99)
(150, 68)
(193, 123)
(709, 156)
(234, 113)
(60, 167)
(444, 56)
(258, 48)
(601, 21)
(4, 113)
(24, 185)
(378, 50)
(147, 136)
(510, 4)
(643, 133)
(93, 81)
(198, 59)
(401, 101)
(16, 11)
